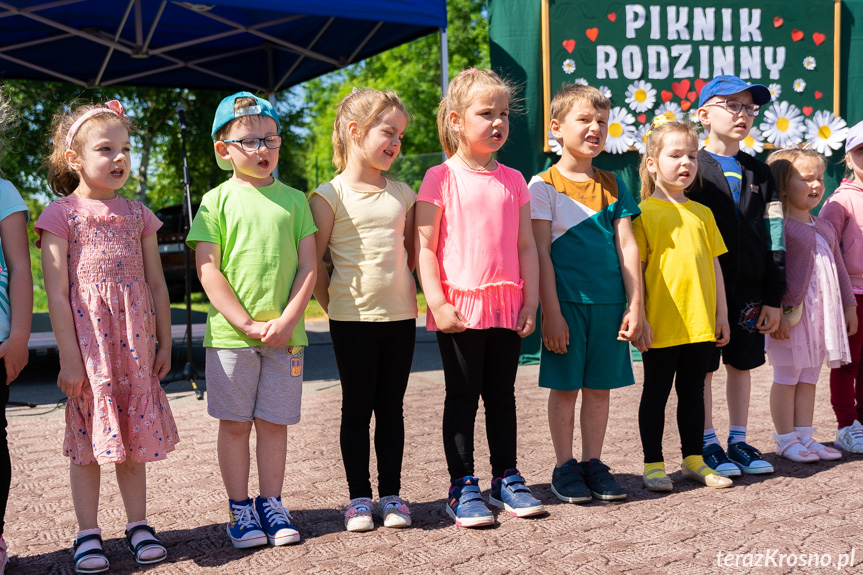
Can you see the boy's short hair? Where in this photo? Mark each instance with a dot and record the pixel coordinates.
(234, 108)
(571, 94)
(728, 85)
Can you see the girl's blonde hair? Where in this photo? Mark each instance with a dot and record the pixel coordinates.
(365, 107)
(462, 90)
(781, 164)
(62, 179)
(654, 140)
(7, 118)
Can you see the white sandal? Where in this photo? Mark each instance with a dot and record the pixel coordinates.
(795, 451)
(822, 451)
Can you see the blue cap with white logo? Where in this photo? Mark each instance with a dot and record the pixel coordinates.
(728, 85)
(226, 112)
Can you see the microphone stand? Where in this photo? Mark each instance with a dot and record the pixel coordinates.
(190, 372)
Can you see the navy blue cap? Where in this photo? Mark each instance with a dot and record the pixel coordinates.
(728, 85)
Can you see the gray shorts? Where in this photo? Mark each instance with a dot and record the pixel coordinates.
(255, 382)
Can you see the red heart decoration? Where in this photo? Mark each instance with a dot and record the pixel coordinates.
(666, 95)
(569, 45)
(612, 16)
(691, 96)
(818, 94)
(818, 38)
(680, 88)
(685, 104)
(699, 84)
(592, 33)
(641, 118)
(807, 110)
(777, 21)
(797, 35)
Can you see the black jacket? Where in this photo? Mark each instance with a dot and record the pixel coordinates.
(755, 262)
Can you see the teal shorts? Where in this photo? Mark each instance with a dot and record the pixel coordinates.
(594, 359)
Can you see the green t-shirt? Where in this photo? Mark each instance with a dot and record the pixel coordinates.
(259, 231)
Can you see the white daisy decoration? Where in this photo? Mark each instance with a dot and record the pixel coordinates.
(799, 85)
(621, 131)
(753, 143)
(809, 63)
(606, 91)
(783, 125)
(703, 138)
(554, 144)
(580, 82)
(640, 96)
(641, 138)
(775, 91)
(672, 107)
(569, 65)
(826, 132)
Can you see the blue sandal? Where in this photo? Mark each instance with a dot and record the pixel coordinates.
(89, 554)
(145, 544)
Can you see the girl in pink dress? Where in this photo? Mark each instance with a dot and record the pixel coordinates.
(814, 326)
(478, 266)
(109, 307)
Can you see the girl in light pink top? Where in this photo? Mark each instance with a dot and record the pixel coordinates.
(478, 267)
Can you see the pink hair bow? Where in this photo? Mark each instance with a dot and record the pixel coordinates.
(111, 107)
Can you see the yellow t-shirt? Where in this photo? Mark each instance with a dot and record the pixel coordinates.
(678, 243)
(371, 280)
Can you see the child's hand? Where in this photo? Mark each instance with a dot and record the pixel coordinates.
(15, 354)
(255, 330)
(162, 362)
(449, 319)
(71, 378)
(723, 330)
(277, 332)
(768, 320)
(630, 326)
(783, 330)
(645, 340)
(555, 332)
(851, 319)
(526, 322)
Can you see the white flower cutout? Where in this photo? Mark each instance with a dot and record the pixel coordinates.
(799, 85)
(554, 144)
(605, 91)
(640, 142)
(753, 143)
(809, 63)
(826, 132)
(703, 139)
(569, 65)
(672, 107)
(580, 82)
(775, 91)
(640, 96)
(783, 125)
(621, 131)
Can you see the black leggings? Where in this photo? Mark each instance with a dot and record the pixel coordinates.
(374, 361)
(690, 362)
(479, 363)
(5, 461)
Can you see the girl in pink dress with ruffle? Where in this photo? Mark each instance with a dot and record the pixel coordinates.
(109, 307)
(478, 266)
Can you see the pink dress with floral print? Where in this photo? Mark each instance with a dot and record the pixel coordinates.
(123, 413)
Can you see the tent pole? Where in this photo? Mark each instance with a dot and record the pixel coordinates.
(272, 98)
(444, 67)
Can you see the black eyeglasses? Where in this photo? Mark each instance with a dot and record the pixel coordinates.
(737, 107)
(252, 144)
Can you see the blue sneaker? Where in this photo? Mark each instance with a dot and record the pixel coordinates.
(717, 460)
(748, 458)
(509, 492)
(276, 521)
(567, 483)
(465, 504)
(244, 527)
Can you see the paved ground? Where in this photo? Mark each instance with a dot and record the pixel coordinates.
(815, 508)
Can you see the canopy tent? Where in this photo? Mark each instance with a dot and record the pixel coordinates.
(263, 46)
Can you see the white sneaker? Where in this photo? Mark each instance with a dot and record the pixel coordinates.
(358, 515)
(850, 438)
(394, 511)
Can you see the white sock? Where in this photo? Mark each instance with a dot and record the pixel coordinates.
(784, 439)
(91, 562)
(804, 434)
(710, 437)
(149, 552)
(736, 433)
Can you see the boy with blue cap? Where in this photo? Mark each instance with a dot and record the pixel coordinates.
(740, 191)
(255, 251)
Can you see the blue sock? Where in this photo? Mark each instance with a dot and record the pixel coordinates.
(710, 437)
(736, 433)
